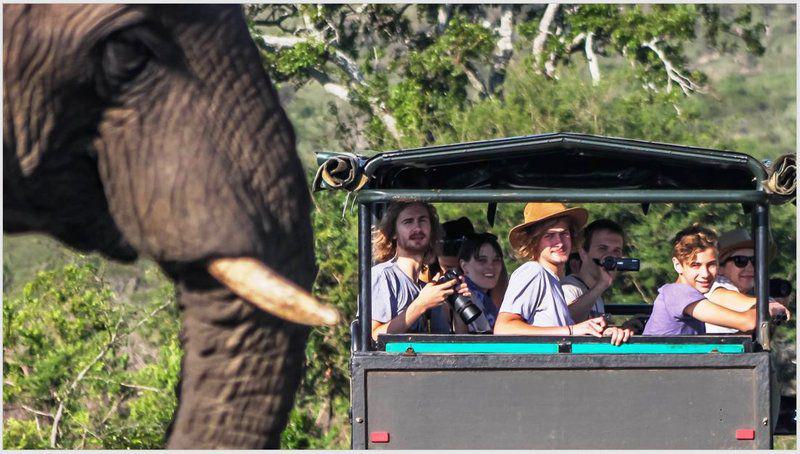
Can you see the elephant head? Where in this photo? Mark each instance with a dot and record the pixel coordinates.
(143, 130)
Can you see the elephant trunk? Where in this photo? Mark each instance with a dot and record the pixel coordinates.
(239, 370)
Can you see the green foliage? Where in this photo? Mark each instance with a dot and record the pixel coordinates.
(299, 58)
(70, 342)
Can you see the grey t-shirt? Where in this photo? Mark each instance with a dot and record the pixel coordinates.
(721, 282)
(393, 291)
(574, 288)
(535, 294)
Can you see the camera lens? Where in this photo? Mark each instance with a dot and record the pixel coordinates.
(462, 305)
(466, 309)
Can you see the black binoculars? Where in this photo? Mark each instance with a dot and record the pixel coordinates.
(618, 264)
(461, 305)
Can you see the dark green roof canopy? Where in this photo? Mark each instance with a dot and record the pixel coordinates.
(563, 160)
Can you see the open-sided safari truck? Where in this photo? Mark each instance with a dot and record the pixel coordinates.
(486, 391)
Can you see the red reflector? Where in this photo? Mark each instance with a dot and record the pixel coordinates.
(745, 434)
(379, 437)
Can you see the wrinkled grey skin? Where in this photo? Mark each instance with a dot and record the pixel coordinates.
(154, 131)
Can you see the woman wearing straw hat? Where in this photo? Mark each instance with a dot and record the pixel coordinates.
(534, 302)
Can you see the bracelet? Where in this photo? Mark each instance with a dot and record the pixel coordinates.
(569, 327)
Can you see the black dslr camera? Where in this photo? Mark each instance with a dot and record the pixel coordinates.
(461, 305)
(618, 264)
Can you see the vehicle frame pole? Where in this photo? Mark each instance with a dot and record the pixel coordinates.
(761, 239)
(364, 274)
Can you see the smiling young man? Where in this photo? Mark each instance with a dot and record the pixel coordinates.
(584, 289)
(534, 301)
(403, 242)
(682, 307)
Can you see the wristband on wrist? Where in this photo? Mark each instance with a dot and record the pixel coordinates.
(569, 327)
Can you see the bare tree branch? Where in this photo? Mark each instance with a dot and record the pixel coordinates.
(341, 91)
(281, 42)
(339, 58)
(594, 67)
(673, 75)
(472, 76)
(504, 47)
(550, 66)
(72, 386)
(544, 30)
(37, 412)
(277, 16)
(443, 17)
(376, 106)
(576, 42)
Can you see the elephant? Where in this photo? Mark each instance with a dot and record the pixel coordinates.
(154, 131)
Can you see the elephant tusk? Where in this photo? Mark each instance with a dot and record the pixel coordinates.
(270, 292)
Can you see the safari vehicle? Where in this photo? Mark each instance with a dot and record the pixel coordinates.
(485, 391)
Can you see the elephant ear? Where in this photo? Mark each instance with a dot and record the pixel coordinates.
(270, 292)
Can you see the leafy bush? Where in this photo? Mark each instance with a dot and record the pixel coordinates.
(73, 356)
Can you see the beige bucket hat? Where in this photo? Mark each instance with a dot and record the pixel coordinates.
(732, 240)
(539, 212)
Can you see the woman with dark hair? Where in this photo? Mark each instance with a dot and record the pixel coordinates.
(481, 260)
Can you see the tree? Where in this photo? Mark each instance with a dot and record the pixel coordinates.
(405, 65)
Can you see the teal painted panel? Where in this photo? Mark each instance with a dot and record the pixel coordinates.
(493, 347)
(578, 349)
(655, 349)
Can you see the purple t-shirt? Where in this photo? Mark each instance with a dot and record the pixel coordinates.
(668, 317)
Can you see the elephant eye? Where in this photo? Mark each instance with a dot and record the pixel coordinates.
(123, 60)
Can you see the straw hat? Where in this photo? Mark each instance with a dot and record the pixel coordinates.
(732, 240)
(540, 212)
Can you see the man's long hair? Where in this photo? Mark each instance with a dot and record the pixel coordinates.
(384, 246)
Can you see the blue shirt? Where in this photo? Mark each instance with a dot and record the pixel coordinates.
(487, 307)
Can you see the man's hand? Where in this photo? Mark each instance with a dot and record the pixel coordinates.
(433, 295)
(605, 279)
(593, 327)
(618, 335)
(776, 308)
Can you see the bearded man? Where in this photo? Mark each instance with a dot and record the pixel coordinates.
(403, 243)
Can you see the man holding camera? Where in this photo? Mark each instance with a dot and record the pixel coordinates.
(403, 242)
(584, 290)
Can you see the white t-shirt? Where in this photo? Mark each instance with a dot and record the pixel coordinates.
(575, 288)
(721, 282)
(535, 294)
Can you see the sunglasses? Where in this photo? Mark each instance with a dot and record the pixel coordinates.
(740, 261)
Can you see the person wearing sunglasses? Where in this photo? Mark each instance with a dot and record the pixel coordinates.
(736, 277)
